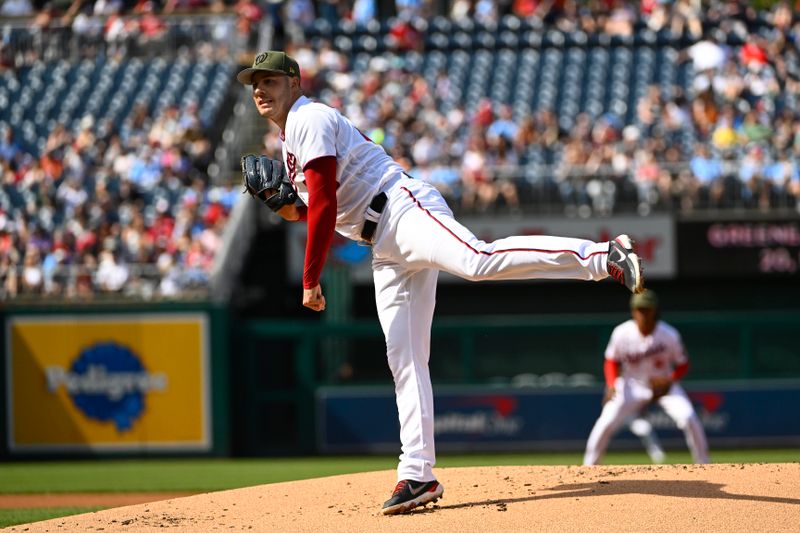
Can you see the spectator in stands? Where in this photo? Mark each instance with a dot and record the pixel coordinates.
(16, 8)
(761, 85)
(364, 11)
(751, 174)
(171, 7)
(107, 7)
(675, 119)
(783, 137)
(111, 276)
(754, 128)
(299, 15)
(648, 109)
(646, 177)
(404, 36)
(32, 279)
(504, 161)
(8, 274)
(503, 126)
(782, 177)
(527, 134)
(10, 150)
(461, 10)
(707, 55)
(685, 15)
(723, 136)
(655, 13)
(88, 30)
(409, 9)
(707, 173)
(728, 83)
(478, 192)
(621, 19)
(486, 12)
(547, 126)
(443, 175)
(152, 30)
(570, 177)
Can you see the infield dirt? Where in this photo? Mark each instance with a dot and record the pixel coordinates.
(680, 498)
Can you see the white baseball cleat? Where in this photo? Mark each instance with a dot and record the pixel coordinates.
(624, 265)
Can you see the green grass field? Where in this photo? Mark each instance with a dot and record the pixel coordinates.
(204, 475)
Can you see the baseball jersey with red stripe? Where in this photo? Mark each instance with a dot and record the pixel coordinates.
(315, 130)
(645, 357)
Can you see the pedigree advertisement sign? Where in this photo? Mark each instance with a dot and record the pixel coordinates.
(108, 383)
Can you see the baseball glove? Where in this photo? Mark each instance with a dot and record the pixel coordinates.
(266, 179)
(608, 394)
(660, 387)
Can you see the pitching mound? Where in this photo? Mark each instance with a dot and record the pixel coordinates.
(725, 497)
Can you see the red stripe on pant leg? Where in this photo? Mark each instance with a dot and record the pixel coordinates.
(482, 252)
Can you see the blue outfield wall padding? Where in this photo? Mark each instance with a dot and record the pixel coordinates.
(364, 419)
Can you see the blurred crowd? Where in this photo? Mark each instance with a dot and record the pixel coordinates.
(47, 30)
(115, 214)
(728, 137)
(131, 210)
(102, 208)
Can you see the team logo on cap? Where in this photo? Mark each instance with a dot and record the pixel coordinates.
(261, 58)
(107, 382)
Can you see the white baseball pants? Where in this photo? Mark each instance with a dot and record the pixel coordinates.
(417, 237)
(631, 396)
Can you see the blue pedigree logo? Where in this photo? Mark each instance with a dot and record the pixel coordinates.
(107, 382)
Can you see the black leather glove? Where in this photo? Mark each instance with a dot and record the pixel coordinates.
(266, 179)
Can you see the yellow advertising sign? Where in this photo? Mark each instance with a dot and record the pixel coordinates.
(116, 382)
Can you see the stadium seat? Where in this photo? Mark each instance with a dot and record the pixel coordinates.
(441, 24)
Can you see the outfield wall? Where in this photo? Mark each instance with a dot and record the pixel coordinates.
(476, 419)
(283, 364)
(187, 380)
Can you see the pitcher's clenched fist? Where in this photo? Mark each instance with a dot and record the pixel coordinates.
(313, 298)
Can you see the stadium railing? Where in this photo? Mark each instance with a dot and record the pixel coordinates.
(23, 42)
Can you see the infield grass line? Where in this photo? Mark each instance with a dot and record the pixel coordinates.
(12, 517)
(206, 475)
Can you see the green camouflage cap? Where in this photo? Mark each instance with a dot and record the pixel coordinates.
(270, 61)
(645, 299)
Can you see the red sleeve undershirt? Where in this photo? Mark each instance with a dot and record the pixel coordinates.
(680, 371)
(320, 177)
(611, 370)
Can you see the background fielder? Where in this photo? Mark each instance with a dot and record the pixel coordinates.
(349, 184)
(652, 358)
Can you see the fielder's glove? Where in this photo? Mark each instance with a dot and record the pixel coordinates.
(660, 387)
(266, 179)
(608, 394)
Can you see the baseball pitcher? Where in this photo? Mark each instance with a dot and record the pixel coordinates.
(336, 179)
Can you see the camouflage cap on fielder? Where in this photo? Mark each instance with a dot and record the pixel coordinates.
(270, 61)
(644, 300)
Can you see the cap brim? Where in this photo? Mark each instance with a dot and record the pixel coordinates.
(245, 77)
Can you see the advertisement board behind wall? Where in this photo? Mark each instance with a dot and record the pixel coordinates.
(121, 383)
(473, 418)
